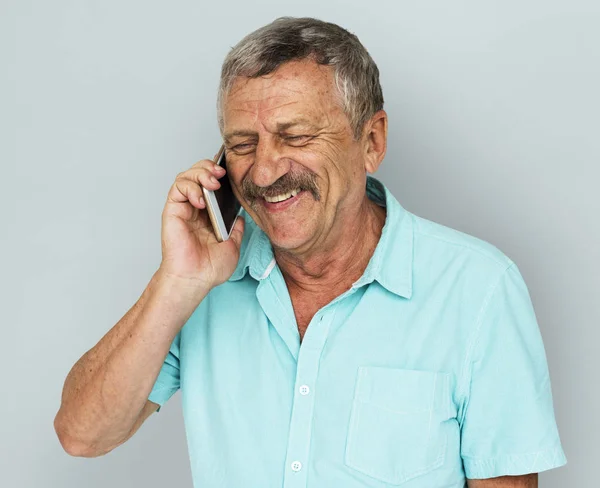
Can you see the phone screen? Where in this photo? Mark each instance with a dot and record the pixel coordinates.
(228, 204)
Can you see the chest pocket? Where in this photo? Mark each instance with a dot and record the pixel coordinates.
(396, 431)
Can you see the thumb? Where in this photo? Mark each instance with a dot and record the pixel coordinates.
(237, 233)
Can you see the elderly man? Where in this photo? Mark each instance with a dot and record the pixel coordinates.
(338, 340)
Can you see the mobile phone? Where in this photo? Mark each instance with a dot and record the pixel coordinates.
(223, 208)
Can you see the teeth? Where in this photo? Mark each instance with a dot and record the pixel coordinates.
(282, 197)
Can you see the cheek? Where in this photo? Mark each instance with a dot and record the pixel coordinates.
(237, 168)
(345, 177)
(319, 158)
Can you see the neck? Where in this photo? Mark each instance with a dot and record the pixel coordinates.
(340, 261)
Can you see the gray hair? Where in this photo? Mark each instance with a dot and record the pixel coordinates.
(288, 38)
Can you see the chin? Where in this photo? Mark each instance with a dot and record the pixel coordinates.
(288, 237)
(290, 227)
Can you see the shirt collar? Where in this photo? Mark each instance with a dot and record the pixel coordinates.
(392, 262)
(390, 265)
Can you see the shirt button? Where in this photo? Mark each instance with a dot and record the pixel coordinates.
(304, 390)
(296, 466)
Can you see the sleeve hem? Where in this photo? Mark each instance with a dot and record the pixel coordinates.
(514, 465)
(160, 395)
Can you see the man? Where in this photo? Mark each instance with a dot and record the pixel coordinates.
(338, 340)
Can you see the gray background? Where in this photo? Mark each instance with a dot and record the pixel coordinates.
(494, 126)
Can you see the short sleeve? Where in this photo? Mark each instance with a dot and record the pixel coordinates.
(508, 426)
(167, 382)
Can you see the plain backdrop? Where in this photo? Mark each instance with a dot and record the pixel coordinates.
(494, 130)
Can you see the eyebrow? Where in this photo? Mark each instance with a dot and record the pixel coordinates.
(239, 133)
(281, 127)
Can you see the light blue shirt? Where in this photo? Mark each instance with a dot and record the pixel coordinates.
(430, 369)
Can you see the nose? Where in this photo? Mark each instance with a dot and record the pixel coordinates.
(269, 164)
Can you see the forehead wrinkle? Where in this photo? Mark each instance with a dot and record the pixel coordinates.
(256, 91)
(266, 100)
(270, 109)
(258, 99)
(257, 109)
(319, 120)
(274, 88)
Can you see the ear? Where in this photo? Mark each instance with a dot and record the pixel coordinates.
(375, 140)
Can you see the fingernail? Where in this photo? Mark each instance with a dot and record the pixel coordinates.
(213, 179)
(218, 168)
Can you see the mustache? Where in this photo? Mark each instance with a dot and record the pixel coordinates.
(285, 184)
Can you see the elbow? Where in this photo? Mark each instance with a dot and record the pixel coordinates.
(72, 445)
(75, 448)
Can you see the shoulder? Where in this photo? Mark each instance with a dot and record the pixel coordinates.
(464, 266)
(438, 241)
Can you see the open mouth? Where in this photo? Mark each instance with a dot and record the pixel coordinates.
(282, 201)
(282, 197)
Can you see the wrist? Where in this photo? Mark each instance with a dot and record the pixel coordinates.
(179, 288)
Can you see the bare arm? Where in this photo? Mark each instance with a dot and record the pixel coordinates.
(525, 481)
(104, 399)
(105, 396)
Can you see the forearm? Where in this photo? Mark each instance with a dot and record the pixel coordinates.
(523, 481)
(107, 388)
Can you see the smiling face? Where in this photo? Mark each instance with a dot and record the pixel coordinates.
(291, 155)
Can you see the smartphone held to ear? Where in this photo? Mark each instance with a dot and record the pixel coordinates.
(222, 206)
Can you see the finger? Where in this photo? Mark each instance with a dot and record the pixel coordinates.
(184, 190)
(210, 166)
(201, 176)
(237, 233)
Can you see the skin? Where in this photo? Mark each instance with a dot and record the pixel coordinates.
(291, 121)
(314, 240)
(527, 481)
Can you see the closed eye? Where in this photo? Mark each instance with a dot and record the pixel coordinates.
(298, 140)
(244, 148)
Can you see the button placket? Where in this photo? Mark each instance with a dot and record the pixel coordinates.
(304, 398)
